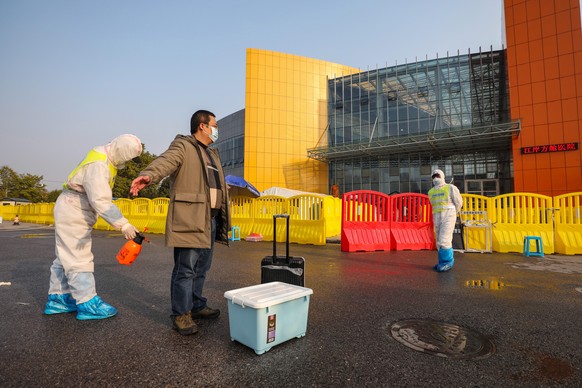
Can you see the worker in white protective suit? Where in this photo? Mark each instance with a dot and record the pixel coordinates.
(446, 202)
(86, 195)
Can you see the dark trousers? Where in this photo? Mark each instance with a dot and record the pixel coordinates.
(189, 275)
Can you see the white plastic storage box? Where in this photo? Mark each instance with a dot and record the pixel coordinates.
(266, 315)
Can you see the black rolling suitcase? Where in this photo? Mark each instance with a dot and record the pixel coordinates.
(286, 269)
(458, 240)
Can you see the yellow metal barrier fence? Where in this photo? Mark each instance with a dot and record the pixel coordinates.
(306, 219)
(333, 215)
(568, 223)
(265, 208)
(241, 214)
(557, 220)
(9, 212)
(28, 213)
(46, 213)
(517, 215)
(158, 210)
(477, 222)
(139, 213)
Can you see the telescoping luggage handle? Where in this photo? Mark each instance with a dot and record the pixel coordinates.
(275, 216)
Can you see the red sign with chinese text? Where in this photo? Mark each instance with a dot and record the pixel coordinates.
(550, 148)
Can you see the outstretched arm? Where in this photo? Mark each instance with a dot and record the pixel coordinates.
(162, 166)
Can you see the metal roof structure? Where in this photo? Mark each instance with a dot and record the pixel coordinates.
(474, 139)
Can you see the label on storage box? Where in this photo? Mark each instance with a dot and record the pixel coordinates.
(271, 328)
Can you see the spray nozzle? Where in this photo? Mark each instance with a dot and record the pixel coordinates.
(140, 238)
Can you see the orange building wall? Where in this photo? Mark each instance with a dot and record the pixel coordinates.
(544, 55)
(286, 114)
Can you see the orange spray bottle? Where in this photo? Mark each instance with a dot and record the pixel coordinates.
(130, 250)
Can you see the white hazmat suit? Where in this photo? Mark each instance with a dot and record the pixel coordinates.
(86, 196)
(446, 202)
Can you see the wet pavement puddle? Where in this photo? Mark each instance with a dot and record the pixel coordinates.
(561, 264)
(442, 339)
(546, 368)
(495, 285)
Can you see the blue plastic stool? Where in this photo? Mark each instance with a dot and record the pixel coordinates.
(235, 234)
(539, 246)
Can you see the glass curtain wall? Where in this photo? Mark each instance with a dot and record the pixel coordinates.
(231, 143)
(420, 98)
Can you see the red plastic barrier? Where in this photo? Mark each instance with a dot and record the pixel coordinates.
(412, 226)
(365, 221)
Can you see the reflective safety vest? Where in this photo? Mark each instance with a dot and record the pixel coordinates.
(439, 198)
(92, 157)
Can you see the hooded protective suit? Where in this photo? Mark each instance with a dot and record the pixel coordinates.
(86, 195)
(446, 202)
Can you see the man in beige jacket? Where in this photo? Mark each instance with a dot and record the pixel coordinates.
(197, 215)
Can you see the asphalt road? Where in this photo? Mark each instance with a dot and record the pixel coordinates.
(528, 309)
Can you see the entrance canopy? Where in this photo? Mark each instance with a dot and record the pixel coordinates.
(450, 142)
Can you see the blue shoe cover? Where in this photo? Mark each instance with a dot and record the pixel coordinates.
(443, 268)
(60, 303)
(446, 260)
(95, 309)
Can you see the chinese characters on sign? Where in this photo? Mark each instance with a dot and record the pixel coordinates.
(550, 148)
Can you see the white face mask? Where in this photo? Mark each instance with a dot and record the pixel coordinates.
(437, 181)
(213, 134)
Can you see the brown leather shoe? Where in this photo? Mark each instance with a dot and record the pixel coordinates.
(184, 324)
(206, 313)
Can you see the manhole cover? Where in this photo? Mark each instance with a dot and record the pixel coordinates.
(442, 339)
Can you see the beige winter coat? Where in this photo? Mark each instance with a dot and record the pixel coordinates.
(188, 219)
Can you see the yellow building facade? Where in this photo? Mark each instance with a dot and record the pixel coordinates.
(286, 114)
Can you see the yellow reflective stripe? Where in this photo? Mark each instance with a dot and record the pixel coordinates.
(92, 157)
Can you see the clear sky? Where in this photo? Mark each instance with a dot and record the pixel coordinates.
(76, 73)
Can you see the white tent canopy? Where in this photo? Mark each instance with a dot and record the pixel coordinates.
(286, 193)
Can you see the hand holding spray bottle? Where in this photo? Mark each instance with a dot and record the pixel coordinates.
(131, 249)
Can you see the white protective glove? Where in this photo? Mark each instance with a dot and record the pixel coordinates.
(129, 231)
